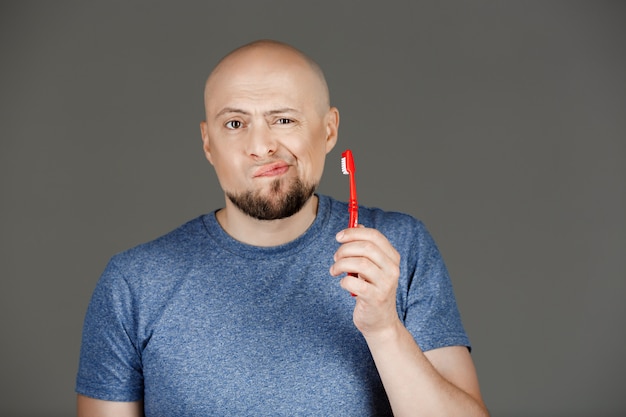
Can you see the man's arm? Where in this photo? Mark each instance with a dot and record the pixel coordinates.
(91, 407)
(440, 382)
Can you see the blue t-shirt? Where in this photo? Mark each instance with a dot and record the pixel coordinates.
(196, 323)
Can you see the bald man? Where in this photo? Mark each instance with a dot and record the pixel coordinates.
(247, 310)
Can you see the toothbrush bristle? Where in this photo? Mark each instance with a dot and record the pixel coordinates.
(343, 166)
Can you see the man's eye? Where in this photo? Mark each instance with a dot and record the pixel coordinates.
(233, 124)
(284, 121)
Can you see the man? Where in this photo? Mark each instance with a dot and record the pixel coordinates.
(237, 312)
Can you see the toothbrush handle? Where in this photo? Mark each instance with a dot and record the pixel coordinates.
(353, 209)
(353, 206)
(354, 214)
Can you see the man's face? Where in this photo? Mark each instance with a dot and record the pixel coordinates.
(267, 132)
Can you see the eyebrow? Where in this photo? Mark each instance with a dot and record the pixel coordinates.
(227, 110)
(283, 110)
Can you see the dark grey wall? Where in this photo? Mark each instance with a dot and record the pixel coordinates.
(500, 124)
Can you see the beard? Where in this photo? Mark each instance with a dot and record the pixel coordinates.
(275, 205)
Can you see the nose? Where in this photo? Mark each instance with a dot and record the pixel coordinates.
(261, 142)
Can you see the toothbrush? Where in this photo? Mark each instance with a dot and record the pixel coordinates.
(347, 167)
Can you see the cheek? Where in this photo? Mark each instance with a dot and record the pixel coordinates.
(225, 168)
(320, 168)
(316, 158)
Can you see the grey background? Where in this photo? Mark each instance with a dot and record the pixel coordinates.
(500, 124)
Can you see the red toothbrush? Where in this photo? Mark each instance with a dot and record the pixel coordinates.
(347, 167)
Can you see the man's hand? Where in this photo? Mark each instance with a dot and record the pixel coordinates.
(368, 254)
(441, 382)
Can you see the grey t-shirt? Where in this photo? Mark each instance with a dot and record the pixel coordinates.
(196, 323)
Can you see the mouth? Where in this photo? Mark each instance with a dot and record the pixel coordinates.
(271, 170)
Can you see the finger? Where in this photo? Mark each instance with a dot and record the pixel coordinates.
(356, 286)
(369, 235)
(369, 292)
(367, 254)
(361, 267)
(382, 281)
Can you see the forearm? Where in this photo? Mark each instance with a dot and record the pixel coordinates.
(414, 386)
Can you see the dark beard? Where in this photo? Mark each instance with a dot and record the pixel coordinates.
(278, 207)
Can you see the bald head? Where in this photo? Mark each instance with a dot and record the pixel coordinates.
(264, 57)
(268, 129)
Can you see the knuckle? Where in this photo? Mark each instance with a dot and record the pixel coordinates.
(396, 270)
(363, 264)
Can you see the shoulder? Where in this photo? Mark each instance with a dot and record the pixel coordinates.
(163, 253)
(375, 217)
(406, 233)
(138, 281)
(400, 228)
(188, 234)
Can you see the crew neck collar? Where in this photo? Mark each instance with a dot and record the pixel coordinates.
(227, 242)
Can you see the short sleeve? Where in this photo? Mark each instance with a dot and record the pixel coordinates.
(431, 313)
(110, 362)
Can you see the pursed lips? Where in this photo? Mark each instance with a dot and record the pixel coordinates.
(273, 169)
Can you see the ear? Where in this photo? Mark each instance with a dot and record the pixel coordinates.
(332, 128)
(204, 129)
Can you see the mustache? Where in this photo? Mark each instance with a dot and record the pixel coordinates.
(288, 159)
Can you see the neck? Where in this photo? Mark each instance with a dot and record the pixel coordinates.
(256, 232)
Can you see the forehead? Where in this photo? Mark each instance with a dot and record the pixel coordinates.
(263, 77)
